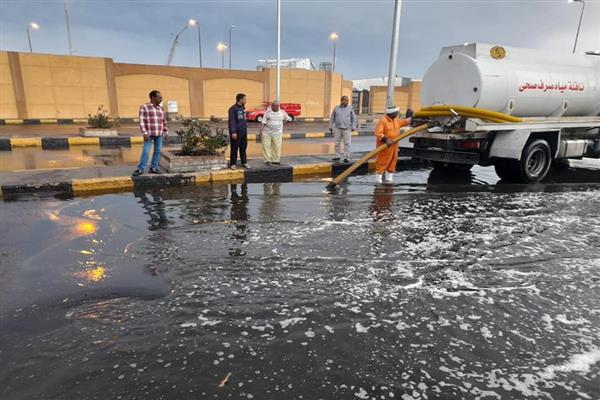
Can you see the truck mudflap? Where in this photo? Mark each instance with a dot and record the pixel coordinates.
(439, 155)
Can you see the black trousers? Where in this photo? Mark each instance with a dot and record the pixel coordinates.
(241, 144)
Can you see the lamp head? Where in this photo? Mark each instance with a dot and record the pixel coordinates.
(33, 25)
(334, 36)
(192, 22)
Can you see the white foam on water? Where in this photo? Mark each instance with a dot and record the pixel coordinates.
(577, 363)
(291, 321)
(188, 325)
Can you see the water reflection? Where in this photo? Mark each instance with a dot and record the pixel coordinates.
(239, 218)
(380, 208)
(271, 202)
(154, 207)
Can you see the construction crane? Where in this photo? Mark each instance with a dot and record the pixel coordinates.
(191, 22)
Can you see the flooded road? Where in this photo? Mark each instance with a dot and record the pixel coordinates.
(422, 290)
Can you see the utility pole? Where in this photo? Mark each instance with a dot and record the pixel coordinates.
(278, 68)
(199, 45)
(68, 28)
(580, 19)
(393, 54)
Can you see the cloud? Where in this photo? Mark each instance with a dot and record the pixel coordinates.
(140, 31)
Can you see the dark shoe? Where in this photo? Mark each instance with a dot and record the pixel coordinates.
(346, 160)
(268, 163)
(155, 171)
(336, 159)
(245, 166)
(137, 172)
(276, 163)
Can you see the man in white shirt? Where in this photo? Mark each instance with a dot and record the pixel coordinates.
(271, 131)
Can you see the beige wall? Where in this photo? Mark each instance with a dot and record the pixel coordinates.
(53, 86)
(222, 92)
(132, 90)
(404, 97)
(63, 87)
(8, 103)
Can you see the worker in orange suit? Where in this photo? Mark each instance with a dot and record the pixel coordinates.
(387, 129)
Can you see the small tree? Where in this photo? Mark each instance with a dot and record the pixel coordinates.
(101, 119)
(199, 139)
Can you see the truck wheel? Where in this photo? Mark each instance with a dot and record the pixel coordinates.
(535, 161)
(451, 166)
(533, 166)
(259, 118)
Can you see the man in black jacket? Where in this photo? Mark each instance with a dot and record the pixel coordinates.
(238, 132)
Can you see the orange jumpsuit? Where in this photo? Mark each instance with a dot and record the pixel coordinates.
(390, 128)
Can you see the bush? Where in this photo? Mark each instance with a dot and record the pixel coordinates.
(199, 139)
(215, 119)
(101, 120)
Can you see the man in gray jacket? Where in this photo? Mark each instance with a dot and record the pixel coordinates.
(341, 124)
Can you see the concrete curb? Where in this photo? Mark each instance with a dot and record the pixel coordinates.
(76, 121)
(116, 184)
(64, 143)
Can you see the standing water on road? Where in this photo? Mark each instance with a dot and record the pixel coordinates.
(420, 290)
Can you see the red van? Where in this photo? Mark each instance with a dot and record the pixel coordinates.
(292, 109)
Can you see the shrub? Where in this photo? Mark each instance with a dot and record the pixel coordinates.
(215, 119)
(199, 139)
(101, 119)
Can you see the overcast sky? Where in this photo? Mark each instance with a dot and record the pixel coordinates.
(140, 31)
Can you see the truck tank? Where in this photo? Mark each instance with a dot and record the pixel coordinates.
(517, 81)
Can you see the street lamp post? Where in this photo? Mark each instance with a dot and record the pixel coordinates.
(191, 22)
(231, 28)
(221, 47)
(68, 24)
(580, 19)
(334, 36)
(393, 54)
(278, 66)
(35, 27)
(194, 22)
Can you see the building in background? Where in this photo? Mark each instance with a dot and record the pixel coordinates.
(292, 63)
(369, 95)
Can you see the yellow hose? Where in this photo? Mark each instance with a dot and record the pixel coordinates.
(470, 112)
(427, 114)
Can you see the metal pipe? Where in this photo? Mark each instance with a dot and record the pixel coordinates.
(68, 28)
(579, 26)
(230, 29)
(333, 66)
(174, 45)
(393, 54)
(200, 45)
(278, 68)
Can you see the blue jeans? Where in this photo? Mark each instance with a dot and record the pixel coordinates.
(158, 140)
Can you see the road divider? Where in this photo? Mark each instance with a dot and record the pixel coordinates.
(64, 143)
(46, 184)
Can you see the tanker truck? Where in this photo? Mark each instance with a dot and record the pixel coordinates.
(520, 110)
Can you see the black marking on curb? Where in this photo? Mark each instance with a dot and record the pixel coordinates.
(338, 168)
(65, 121)
(55, 143)
(2, 122)
(126, 121)
(5, 144)
(162, 180)
(281, 173)
(13, 191)
(115, 141)
(32, 121)
(297, 135)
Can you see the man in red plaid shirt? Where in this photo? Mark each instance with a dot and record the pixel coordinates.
(153, 125)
